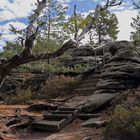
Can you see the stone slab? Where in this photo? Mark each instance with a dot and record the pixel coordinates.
(94, 122)
(97, 101)
(91, 102)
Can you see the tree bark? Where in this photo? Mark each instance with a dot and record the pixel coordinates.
(26, 56)
(75, 23)
(17, 60)
(49, 25)
(99, 37)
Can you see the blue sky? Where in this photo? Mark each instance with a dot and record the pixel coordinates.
(82, 5)
(15, 12)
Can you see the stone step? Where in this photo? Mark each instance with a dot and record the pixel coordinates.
(61, 112)
(58, 117)
(61, 108)
(87, 85)
(96, 102)
(98, 71)
(54, 124)
(93, 122)
(85, 91)
(88, 116)
(46, 125)
(89, 81)
(94, 76)
(55, 117)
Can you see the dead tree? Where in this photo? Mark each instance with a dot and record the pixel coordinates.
(31, 32)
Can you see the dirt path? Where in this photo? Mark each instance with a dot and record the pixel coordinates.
(73, 131)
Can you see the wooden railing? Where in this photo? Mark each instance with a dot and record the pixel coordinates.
(103, 47)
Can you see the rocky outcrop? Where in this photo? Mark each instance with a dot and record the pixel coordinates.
(22, 80)
(85, 54)
(123, 70)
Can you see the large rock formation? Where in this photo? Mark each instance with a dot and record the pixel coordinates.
(123, 70)
(85, 54)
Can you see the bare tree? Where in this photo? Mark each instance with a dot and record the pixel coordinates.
(136, 4)
(31, 33)
(95, 16)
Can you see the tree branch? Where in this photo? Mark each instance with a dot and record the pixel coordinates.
(32, 27)
(111, 3)
(96, 15)
(26, 56)
(6, 66)
(137, 5)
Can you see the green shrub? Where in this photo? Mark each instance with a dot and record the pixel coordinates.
(54, 67)
(21, 97)
(125, 122)
(59, 85)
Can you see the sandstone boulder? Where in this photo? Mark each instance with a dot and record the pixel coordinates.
(122, 71)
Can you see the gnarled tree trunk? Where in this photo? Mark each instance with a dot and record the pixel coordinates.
(26, 56)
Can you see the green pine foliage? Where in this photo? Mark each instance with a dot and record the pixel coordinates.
(53, 20)
(69, 26)
(11, 49)
(124, 124)
(105, 25)
(135, 24)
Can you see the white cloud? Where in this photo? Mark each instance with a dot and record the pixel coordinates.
(12, 10)
(125, 18)
(9, 37)
(19, 8)
(63, 1)
(124, 6)
(18, 25)
(6, 15)
(16, 9)
(23, 8)
(6, 34)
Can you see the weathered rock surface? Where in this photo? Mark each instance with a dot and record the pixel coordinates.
(123, 70)
(90, 103)
(22, 80)
(97, 101)
(94, 122)
(86, 55)
(41, 107)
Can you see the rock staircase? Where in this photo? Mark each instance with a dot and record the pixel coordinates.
(56, 120)
(84, 102)
(88, 86)
(83, 105)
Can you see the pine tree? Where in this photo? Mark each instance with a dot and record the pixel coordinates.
(73, 24)
(135, 24)
(106, 25)
(53, 20)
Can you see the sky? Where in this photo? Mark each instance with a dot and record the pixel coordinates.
(16, 12)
